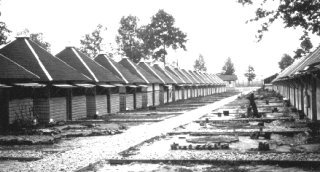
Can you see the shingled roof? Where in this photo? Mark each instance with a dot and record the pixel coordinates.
(205, 78)
(132, 67)
(190, 76)
(168, 76)
(184, 76)
(119, 70)
(10, 70)
(40, 62)
(86, 65)
(219, 80)
(153, 71)
(200, 78)
(211, 80)
(228, 77)
(175, 74)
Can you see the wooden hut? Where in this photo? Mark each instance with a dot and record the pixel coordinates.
(10, 73)
(195, 84)
(159, 94)
(151, 93)
(93, 98)
(179, 87)
(130, 79)
(48, 100)
(201, 85)
(299, 83)
(222, 86)
(171, 81)
(187, 86)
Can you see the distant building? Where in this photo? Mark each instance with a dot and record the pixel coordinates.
(229, 80)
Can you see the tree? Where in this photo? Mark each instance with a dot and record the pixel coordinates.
(306, 46)
(228, 68)
(285, 61)
(4, 32)
(128, 38)
(36, 37)
(200, 64)
(91, 44)
(162, 34)
(302, 14)
(250, 74)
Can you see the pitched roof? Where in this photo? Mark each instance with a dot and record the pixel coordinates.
(119, 70)
(199, 81)
(228, 77)
(218, 79)
(303, 64)
(175, 74)
(212, 81)
(152, 71)
(12, 70)
(168, 77)
(207, 80)
(132, 67)
(202, 80)
(190, 76)
(270, 78)
(184, 76)
(87, 66)
(40, 62)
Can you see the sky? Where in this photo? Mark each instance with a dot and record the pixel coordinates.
(215, 29)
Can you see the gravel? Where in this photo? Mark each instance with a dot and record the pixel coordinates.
(104, 147)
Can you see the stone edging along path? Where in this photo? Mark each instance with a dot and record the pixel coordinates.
(101, 148)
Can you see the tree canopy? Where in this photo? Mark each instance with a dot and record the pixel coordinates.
(285, 61)
(4, 32)
(161, 34)
(91, 44)
(151, 40)
(228, 68)
(250, 74)
(38, 38)
(200, 64)
(302, 14)
(128, 38)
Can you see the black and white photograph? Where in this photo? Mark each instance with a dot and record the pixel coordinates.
(159, 85)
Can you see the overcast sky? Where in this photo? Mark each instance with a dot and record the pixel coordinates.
(215, 29)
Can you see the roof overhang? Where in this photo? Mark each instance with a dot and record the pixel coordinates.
(30, 85)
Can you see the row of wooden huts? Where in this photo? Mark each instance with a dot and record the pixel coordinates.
(71, 86)
(300, 84)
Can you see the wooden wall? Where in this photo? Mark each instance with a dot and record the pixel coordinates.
(129, 102)
(58, 108)
(115, 103)
(139, 100)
